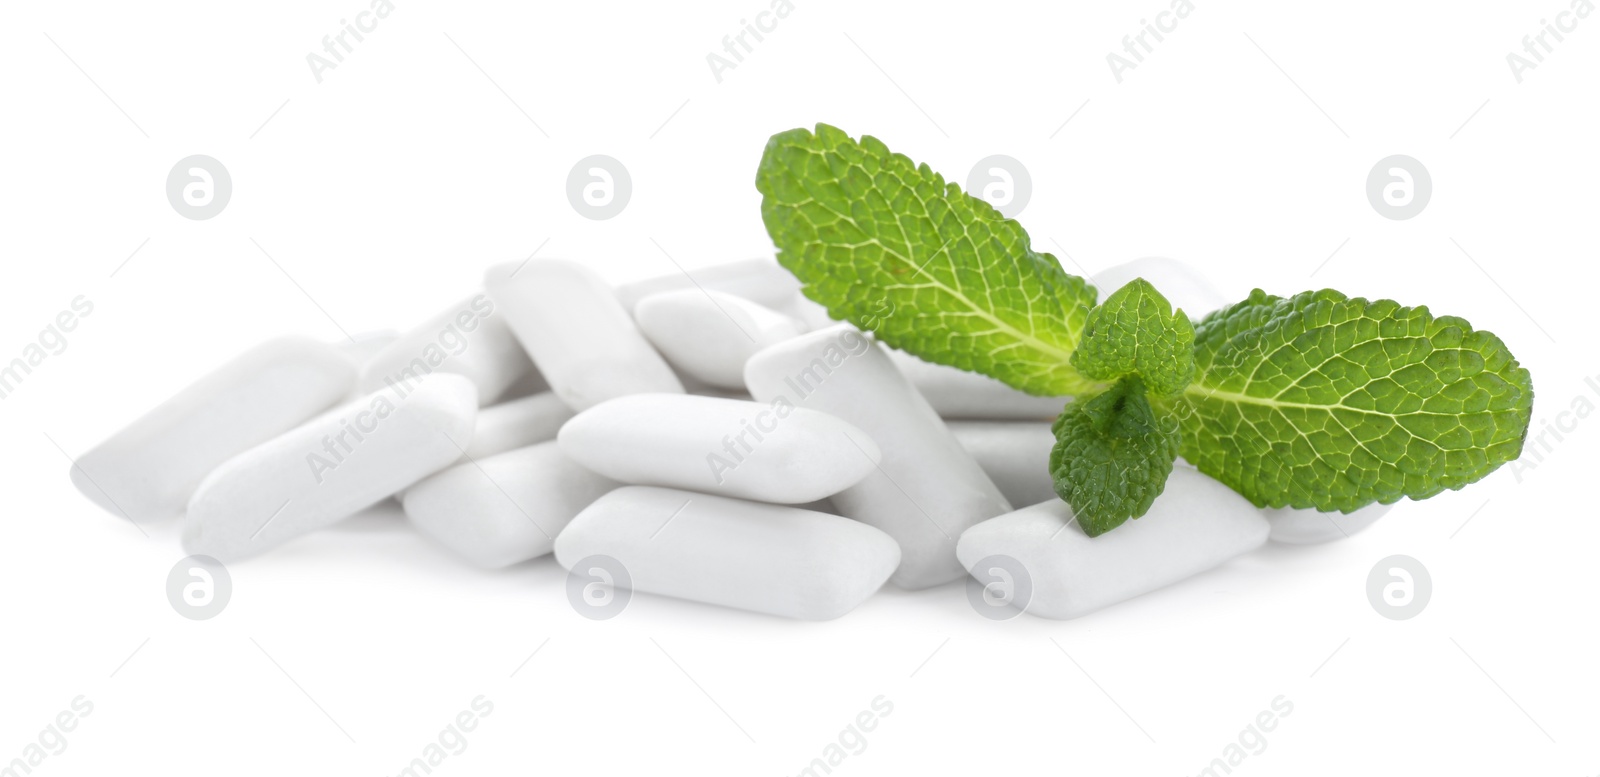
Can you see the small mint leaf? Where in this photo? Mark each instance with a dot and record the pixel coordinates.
(1136, 332)
(891, 247)
(1112, 456)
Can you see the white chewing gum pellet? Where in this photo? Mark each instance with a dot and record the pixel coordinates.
(147, 471)
(956, 393)
(767, 558)
(517, 423)
(583, 341)
(709, 335)
(506, 508)
(927, 489)
(1182, 285)
(761, 281)
(331, 467)
(751, 450)
(1310, 527)
(469, 339)
(1015, 454)
(1196, 524)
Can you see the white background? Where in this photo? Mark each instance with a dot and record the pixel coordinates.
(382, 193)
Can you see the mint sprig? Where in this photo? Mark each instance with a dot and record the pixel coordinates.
(1313, 401)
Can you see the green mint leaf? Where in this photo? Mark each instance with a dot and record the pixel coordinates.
(1112, 456)
(1325, 401)
(891, 247)
(1136, 332)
